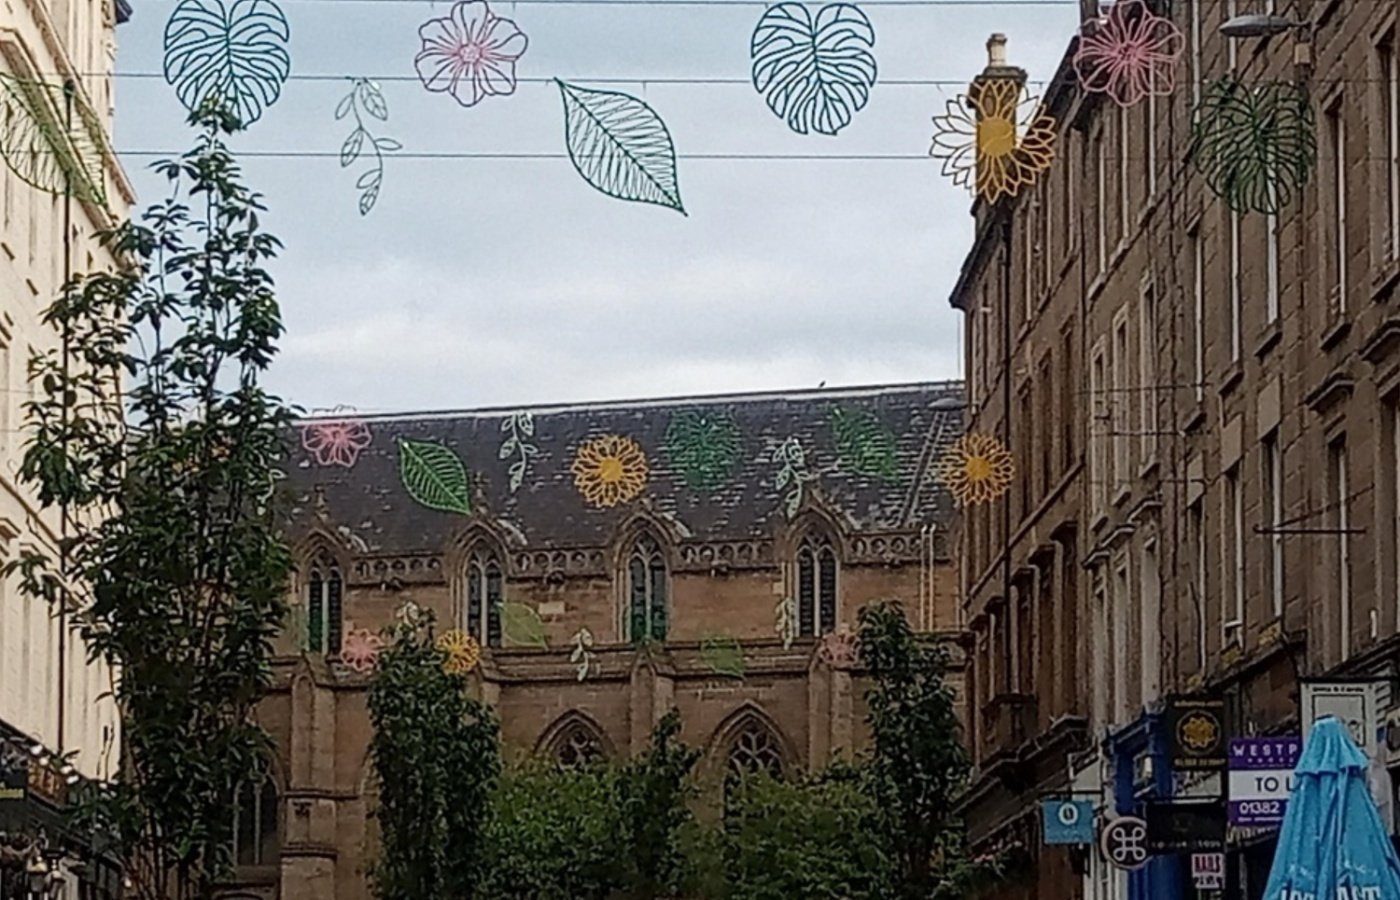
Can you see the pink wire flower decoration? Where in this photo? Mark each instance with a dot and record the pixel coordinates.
(337, 442)
(840, 649)
(1131, 54)
(359, 650)
(470, 54)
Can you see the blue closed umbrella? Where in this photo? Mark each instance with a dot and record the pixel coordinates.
(1333, 845)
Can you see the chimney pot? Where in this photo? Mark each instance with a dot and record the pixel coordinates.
(996, 51)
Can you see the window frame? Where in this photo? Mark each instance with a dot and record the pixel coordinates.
(481, 612)
(651, 554)
(822, 607)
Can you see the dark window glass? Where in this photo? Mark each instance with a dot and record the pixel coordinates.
(315, 633)
(816, 586)
(475, 595)
(648, 615)
(494, 599)
(806, 593)
(828, 590)
(333, 612)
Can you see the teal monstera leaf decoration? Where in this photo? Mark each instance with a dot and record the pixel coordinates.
(865, 444)
(703, 447)
(815, 72)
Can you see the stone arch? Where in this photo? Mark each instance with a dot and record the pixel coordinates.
(573, 739)
(320, 581)
(643, 539)
(749, 739)
(478, 563)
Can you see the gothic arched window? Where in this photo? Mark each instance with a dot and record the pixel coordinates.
(485, 595)
(324, 588)
(754, 748)
(646, 591)
(816, 585)
(255, 819)
(577, 746)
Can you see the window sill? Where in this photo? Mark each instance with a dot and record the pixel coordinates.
(1337, 329)
(1100, 520)
(1096, 287)
(1148, 468)
(1384, 280)
(6, 248)
(1268, 339)
(1231, 379)
(1195, 418)
(33, 288)
(1124, 494)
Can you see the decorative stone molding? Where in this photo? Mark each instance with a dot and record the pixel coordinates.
(419, 569)
(708, 556)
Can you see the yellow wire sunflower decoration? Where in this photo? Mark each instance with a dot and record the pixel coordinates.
(976, 469)
(460, 652)
(994, 140)
(609, 470)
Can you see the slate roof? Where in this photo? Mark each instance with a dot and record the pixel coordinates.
(370, 501)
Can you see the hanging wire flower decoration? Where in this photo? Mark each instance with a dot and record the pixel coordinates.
(359, 650)
(1254, 145)
(993, 141)
(840, 649)
(470, 53)
(703, 447)
(1129, 54)
(460, 651)
(609, 470)
(336, 442)
(365, 95)
(976, 469)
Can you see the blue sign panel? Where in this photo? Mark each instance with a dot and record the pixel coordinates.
(1068, 821)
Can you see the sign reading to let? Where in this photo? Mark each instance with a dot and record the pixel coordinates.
(1261, 778)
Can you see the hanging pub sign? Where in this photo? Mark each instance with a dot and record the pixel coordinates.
(1185, 826)
(1123, 843)
(1196, 730)
(14, 771)
(1067, 822)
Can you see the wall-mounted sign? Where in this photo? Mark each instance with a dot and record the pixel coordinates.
(1261, 778)
(46, 783)
(14, 772)
(1208, 871)
(1196, 730)
(1123, 842)
(1185, 826)
(1067, 821)
(1357, 704)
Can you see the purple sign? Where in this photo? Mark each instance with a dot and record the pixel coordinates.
(1261, 778)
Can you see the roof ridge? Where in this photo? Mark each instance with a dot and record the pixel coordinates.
(823, 392)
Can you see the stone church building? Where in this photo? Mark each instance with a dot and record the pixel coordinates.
(612, 560)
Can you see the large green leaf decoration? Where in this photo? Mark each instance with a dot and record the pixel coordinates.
(234, 55)
(620, 146)
(866, 445)
(41, 149)
(521, 626)
(723, 655)
(434, 476)
(703, 446)
(815, 73)
(1256, 145)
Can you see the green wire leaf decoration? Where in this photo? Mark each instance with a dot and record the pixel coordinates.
(723, 655)
(620, 146)
(365, 96)
(234, 55)
(1255, 146)
(815, 73)
(792, 474)
(41, 150)
(866, 446)
(434, 476)
(703, 446)
(522, 626)
(519, 428)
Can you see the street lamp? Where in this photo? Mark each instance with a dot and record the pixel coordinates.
(1267, 25)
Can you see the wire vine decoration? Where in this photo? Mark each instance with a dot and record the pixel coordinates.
(1256, 145)
(519, 429)
(814, 73)
(620, 146)
(232, 55)
(365, 97)
(1129, 54)
(582, 656)
(993, 139)
(470, 53)
(41, 149)
(793, 475)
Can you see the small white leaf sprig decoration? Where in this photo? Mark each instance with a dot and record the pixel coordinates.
(519, 429)
(792, 474)
(365, 95)
(785, 621)
(582, 657)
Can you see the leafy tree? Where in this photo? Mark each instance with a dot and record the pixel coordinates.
(918, 763)
(169, 535)
(654, 791)
(816, 837)
(554, 833)
(435, 755)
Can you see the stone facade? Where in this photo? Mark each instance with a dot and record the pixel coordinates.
(727, 552)
(1204, 406)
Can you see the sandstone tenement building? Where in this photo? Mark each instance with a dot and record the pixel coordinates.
(727, 511)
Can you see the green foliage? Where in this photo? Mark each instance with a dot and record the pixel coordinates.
(918, 765)
(554, 834)
(168, 528)
(654, 791)
(435, 755)
(818, 837)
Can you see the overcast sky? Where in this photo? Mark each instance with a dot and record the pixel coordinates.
(477, 282)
